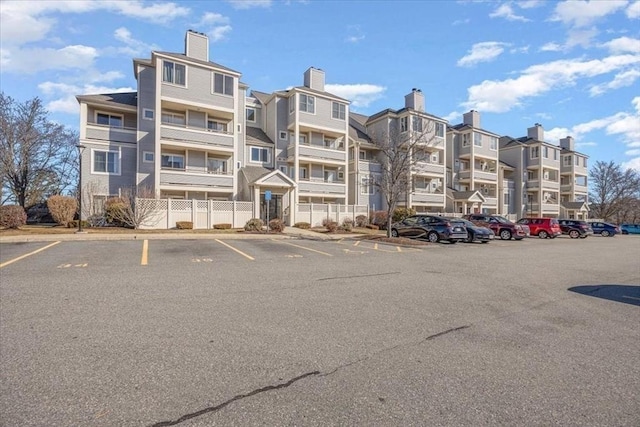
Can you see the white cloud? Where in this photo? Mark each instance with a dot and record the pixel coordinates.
(360, 95)
(355, 34)
(482, 52)
(581, 13)
(248, 4)
(65, 95)
(632, 164)
(31, 61)
(461, 21)
(453, 116)
(633, 12)
(219, 33)
(506, 11)
(133, 47)
(586, 144)
(528, 4)
(213, 18)
(623, 79)
(634, 152)
(580, 37)
(503, 95)
(156, 12)
(623, 45)
(551, 47)
(218, 26)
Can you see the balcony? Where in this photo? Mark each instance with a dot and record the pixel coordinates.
(197, 178)
(485, 175)
(369, 166)
(427, 197)
(490, 201)
(429, 168)
(196, 136)
(318, 153)
(550, 185)
(110, 133)
(550, 208)
(320, 186)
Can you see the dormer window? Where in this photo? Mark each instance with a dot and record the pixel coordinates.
(174, 73)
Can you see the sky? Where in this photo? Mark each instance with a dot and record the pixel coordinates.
(572, 66)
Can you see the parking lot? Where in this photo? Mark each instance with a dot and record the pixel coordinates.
(301, 332)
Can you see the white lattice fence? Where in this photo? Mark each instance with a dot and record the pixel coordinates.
(164, 213)
(315, 213)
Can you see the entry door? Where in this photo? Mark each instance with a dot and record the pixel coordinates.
(275, 207)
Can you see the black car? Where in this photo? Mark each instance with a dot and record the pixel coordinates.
(474, 232)
(575, 228)
(434, 228)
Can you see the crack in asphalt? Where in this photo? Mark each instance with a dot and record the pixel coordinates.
(233, 399)
(216, 408)
(355, 277)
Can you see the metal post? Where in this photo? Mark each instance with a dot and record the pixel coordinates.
(80, 151)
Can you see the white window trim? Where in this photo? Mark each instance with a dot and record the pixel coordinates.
(444, 130)
(109, 114)
(255, 114)
(307, 103)
(213, 84)
(283, 169)
(345, 111)
(184, 156)
(148, 110)
(292, 105)
(300, 169)
(144, 155)
(117, 152)
(283, 132)
(186, 74)
(491, 143)
(365, 186)
(535, 150)
(479, 139)
(251, 148)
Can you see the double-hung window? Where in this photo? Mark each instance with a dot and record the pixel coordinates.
(106, 162)
(172, 161)
(259, 155)
(111, 120)
(566, 160)
(577, 161)
(545, 152)
(222, 84)
(404, 124)
(307, 103)
(535, 152)
(367, 185)
(174, 73)
(477, 139)
(251, 114)
(466, 139)
(416, 123)
(338, 111)
(493, 143)
(440, 130)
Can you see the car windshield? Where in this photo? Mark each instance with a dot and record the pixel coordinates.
(502, 219)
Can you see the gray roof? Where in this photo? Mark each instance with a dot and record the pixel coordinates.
(574, 205)
(198, 61)
(461, 126)
(122, 98)
(261, 96)
(254, 173)
(319, 92)
(506, 164)
(357, 130)
(391, 111)
(257, 135)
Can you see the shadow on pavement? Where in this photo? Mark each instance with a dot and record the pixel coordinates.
(619, 293)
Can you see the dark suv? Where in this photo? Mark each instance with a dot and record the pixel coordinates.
(434, 228)
(500, 226)
(575, 228)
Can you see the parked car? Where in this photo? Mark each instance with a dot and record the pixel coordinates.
(604, 229)
(500, 226)
(630, 228)
(575, 228)
(474, 232)
(542, 227)
(432, 227)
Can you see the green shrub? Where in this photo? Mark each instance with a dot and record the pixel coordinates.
(401, 213)
(362, 221)
(222, 226)
(347, 224)
(254, 224)
(302, 225)
(330, 225)
(62, 209)
(276, 225)
(12, 216)
(184, 225)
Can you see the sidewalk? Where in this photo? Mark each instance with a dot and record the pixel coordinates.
(289, 233)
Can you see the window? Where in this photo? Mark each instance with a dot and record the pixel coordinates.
(506, 199)
(531, 175)
(302, 173)
(259, 155)
(222, 84)
(216, 126)
(566, 160)
(172, 161)
(535, 152)
(577, 161)
(147, 114)
(477, 139)
(283, 135)
(584, 162)
(217, 166)
(307, 103)
(338, 111)
(109, 120)
(493, 143)
(106, 162)
(251, 115)
(147, 157)
(466, 139)
(416, 123)
(302, 139)
(404, 124)
(329, 175)
(292, 104)
(440, 130)
(329, 143)
(545, 152)
(174, 73)
(171, 118)
(367, 185)
(555, 154)
(283, 169)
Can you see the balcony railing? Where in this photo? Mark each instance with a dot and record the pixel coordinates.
(369, 166)
(335, 188)
(195, 135)
(421, 196)
(429, 168)
(110, 133)
(317, 152)
(202, 180)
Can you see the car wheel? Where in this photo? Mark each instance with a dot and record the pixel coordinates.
(470, 238)
(433, 237)
(394, 232)
(505, 235)
(574, 234)
(605, 233)
(453, 241)
(625, 232)
(484, 241)
(543, 234)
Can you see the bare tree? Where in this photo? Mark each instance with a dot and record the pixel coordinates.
(37, 156)
(134, 208)
(612, 188)
(401, 153)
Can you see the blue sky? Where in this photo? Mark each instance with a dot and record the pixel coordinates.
(572, 66)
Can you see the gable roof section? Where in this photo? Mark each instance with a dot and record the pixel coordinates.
(575, 206)
(257, 175)
(257, 136)
(129, 99)
(465, 196)
(184, 57)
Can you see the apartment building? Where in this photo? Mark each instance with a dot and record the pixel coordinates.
(473, 168)
(425, 134)
(574, 201)
(365, 165)
(536, 167)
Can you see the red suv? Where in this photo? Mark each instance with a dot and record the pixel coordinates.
(542, 227)
(500, 226)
